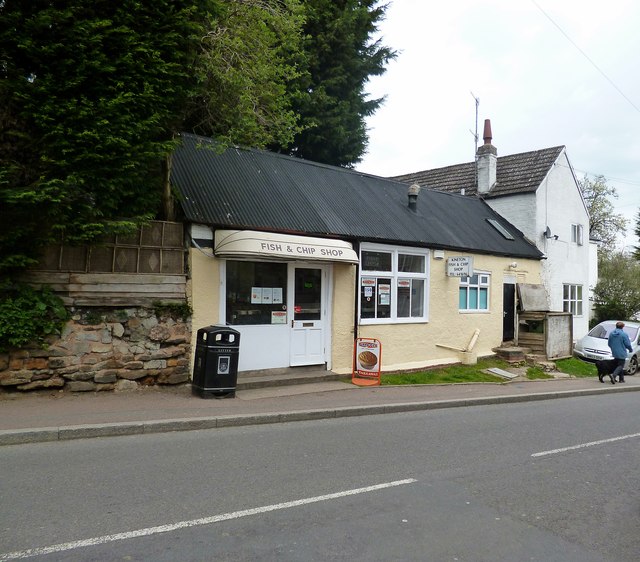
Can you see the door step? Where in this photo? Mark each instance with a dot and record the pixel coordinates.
(511, 354)
(284, 377)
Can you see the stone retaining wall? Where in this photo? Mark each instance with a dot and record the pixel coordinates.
(104, 350)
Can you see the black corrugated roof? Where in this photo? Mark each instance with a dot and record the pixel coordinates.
(516, 173)
(260, 190)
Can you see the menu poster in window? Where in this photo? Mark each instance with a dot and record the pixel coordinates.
(384, 294)
(277, 295)
(267, 295)
(256, 295)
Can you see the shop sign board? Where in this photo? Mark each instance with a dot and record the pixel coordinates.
(367, 360)
(460, 266)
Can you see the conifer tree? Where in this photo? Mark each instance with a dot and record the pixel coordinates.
(93, 93)
(340, 54)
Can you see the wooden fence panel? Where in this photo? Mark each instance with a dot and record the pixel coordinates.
(136, 270)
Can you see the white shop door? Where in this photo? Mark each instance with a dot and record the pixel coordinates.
(308, 318)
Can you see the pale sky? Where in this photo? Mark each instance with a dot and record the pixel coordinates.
(573, 81)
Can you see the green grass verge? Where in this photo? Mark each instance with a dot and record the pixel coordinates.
(536, 373)
(475, 373)
(455, 373)
(576, 367)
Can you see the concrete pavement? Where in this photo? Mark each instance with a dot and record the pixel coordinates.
(58, 416)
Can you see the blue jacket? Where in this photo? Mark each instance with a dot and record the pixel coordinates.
(619, 343)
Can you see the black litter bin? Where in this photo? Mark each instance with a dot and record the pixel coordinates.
(215, 370)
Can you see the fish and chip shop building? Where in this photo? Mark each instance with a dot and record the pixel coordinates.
(302, 258)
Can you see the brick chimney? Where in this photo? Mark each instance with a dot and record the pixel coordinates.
(486, 161)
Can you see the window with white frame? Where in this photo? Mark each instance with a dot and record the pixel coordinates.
(393, 284)
(572, 299)
(576, 234)
(473, 293)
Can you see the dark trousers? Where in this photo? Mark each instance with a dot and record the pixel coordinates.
(619, 370)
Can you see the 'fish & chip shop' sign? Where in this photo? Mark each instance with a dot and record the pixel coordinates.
(250, 243)
(460, 266)
(300, 250)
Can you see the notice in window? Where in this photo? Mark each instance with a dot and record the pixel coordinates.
(267, 295)
(384, 294)
(278, 317)
(277, 295)
(256, 295)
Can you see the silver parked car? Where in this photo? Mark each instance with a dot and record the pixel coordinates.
(593, 347)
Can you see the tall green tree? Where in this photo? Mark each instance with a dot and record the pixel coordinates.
(93, 92)
(636, 253)
(604, 223)
(617, 294)
(89, 95)
(341, 54)
(247, 61)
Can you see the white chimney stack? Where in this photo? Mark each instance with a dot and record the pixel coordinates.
(487, 161)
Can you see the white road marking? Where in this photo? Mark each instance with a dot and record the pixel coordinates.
(583, 445)
(31, 552)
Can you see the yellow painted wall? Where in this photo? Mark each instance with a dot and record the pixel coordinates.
(342, 324)
(411, 346)
(404, 346)
(204, 291)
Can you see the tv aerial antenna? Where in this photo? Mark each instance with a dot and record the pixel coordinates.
(475, 139)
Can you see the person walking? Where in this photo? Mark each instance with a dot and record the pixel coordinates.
(619, 343)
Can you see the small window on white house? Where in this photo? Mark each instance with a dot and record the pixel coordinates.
(572, 299)
(576, 234)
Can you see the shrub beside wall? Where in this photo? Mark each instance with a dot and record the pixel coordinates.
(104, 350)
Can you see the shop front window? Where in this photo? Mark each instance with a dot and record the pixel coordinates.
(393, 284)
(256, 293)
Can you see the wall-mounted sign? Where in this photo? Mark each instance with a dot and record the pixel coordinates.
(460, 266)
(249, 243)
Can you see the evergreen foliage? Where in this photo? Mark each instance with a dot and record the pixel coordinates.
(93, 93)
(90, 94)
(339, 57)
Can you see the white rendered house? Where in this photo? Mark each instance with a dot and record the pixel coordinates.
(538, 193)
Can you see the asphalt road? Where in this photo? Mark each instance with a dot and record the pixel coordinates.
(554, 480)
